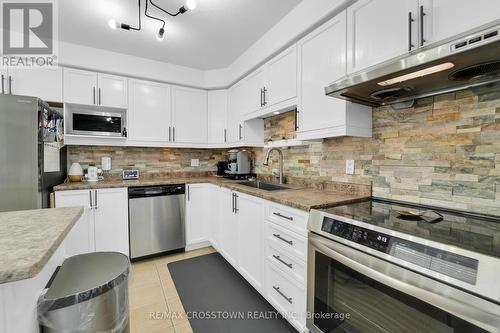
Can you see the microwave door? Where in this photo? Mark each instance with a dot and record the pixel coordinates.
(97, 123)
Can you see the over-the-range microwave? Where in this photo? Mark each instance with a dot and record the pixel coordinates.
(96, 122)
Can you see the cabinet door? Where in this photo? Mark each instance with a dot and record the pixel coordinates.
(80, 87)
(446, 18)
(378, 30)
(322, 60)
(189, 115)
(250, 211)
(45, 84)
(80, 238)
(111, 220)
(215, 216)
(217, 116)
(234, 127)
(197, 205)
(252, 98)
(149, 111)
(282, 77)
(112, 91)
(229, 227)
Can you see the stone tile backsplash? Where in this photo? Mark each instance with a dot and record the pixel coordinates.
(445, 151)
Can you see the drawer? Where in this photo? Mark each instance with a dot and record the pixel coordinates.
(290, 243)
(288, 264)
(288, 297)
(287, 217)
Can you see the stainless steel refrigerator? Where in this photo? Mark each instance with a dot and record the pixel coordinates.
(31, 162)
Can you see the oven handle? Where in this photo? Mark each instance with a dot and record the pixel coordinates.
(473, 309)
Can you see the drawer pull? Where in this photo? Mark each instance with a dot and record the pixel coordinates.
(282, 239)
(283, 216)
(282, 261)
(288, 299)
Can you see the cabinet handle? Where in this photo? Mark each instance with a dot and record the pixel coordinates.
(283, 216)
(422, 14)
(10, 84)
(261, 97)
(188, 196)
(296, 120)
(99, 96)
(410, 33)
(93, 95)
(288, 299)
(225, 135)
(233, 209)
(282, 261)
(96, 206)
(169, 133)
(3, 88)
(239, 132)
(91, 206)
(283, 239)
(265, 96)
(236, 204)
(173, 133)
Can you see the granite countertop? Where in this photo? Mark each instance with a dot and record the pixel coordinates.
(300, 198)
(29, 238)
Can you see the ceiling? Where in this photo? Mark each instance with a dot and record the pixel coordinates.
(211, 36)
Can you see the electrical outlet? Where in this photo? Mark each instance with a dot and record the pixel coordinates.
(349, 167)
(195, 162)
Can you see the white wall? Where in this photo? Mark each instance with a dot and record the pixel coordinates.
(307, 15)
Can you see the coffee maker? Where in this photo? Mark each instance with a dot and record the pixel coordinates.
(237, 167)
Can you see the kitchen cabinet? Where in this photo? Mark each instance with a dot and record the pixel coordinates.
(216, 214)
(189, 115)
(104, 224)
(217, 117)
(322, 60)
(91, 88)
(273, 87)
(45, 84)
(149, 114)
(250, 215)
(378, 30)
(445, 18)
(197, 219)
(229, 226)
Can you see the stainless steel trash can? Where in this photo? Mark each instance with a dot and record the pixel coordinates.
(88, 294)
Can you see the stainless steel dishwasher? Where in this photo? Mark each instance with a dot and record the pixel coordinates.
(156, 220)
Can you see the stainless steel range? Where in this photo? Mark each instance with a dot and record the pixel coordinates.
(385, 266)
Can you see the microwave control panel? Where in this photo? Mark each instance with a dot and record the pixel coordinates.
(369, 238)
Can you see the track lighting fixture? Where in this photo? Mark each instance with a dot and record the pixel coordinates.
(189, 5)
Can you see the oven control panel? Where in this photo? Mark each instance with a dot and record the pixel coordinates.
(369, 238)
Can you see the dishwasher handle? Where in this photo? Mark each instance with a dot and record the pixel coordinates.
(153, 191)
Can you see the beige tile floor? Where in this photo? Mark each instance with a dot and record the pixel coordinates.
(153, 296)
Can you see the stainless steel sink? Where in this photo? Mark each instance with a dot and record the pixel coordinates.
(266, 186)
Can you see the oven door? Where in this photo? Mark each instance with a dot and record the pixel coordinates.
(86, 122)
(351, 291)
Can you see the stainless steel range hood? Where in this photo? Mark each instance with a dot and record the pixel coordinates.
(470, 60)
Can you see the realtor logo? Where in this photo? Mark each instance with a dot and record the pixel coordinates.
(28, 33)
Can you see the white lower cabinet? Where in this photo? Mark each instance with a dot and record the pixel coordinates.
(197, 209)
(250, 216)
(264, 241)
(104, 223)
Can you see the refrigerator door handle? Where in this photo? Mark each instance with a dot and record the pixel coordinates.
(3, 85)
(10, 84)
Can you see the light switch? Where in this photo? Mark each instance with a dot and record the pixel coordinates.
(195, 162)
(349, 167)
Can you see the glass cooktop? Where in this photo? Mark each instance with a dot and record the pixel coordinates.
(473, 232)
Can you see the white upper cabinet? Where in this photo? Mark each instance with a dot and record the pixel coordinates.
(91, 88)
(234, 117)
(322, 59)
(189, 115)
(282, 78)
(217, 116)
(45, 84)
(446, 18)
(112, 91)
(149, 112)
(80, 87)
(272, 87)
(378, 30)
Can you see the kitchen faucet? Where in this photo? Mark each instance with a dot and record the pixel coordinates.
(280, 161)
